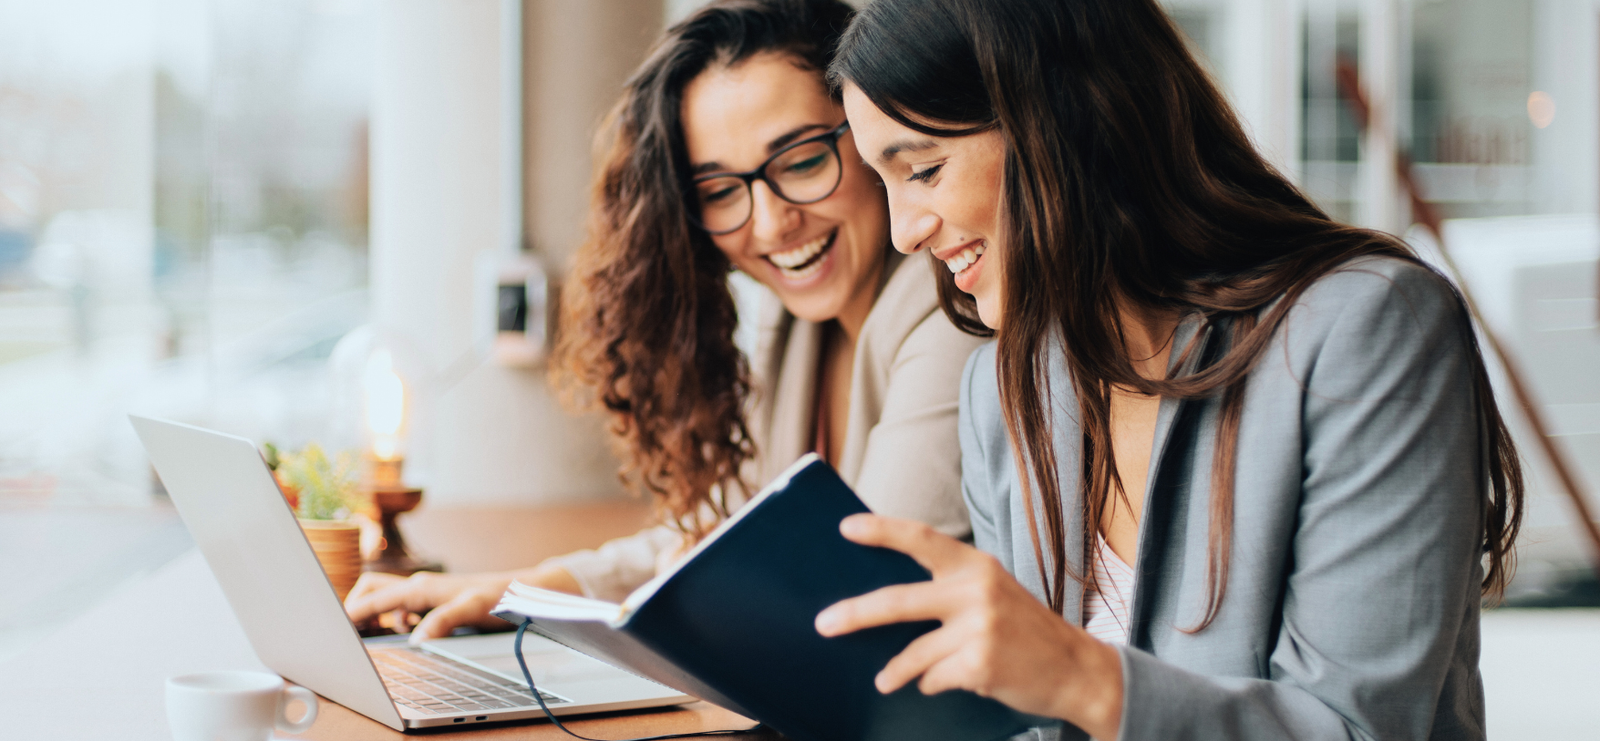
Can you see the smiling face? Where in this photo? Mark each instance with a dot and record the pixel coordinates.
(944, 196)
(822, 259)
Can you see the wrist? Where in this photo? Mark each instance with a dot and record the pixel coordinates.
(547, 575)
(1092, 698)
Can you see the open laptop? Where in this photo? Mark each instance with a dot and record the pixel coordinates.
(271, 577)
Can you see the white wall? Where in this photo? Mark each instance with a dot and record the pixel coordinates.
(579, 55)
(1566, 154)
(1260, 60)
(440, 199)
(1381, 204)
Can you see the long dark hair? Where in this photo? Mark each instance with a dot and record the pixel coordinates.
(647, 318)
(1127, 179)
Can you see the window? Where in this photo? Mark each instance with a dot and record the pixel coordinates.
(182, 232)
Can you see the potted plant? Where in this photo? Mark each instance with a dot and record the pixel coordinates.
(329, 496)
(269, 452)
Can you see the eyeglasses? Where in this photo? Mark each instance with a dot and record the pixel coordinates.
(804, 172)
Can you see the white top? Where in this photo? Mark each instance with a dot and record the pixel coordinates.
(1107, 603)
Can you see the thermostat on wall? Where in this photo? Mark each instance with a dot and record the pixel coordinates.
(522, 313)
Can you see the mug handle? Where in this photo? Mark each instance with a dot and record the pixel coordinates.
(291, 694)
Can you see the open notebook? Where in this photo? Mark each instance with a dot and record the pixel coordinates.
(732, 623)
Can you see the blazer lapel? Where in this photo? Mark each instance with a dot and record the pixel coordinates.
(1066, 436)
(794, 391)
(1172, 414)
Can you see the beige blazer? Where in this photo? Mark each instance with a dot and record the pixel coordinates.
(901, 451)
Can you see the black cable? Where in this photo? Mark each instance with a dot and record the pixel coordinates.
(523, 663)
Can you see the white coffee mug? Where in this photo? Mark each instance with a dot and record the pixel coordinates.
(234, 706)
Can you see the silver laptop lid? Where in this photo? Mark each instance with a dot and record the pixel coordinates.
(267, 570)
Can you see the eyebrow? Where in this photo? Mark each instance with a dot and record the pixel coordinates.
(785, 140)
(904, 145)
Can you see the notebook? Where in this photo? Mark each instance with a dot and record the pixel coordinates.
(732, 623)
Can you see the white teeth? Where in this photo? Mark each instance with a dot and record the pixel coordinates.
(964, 258)
(800, 255)
(804, 273)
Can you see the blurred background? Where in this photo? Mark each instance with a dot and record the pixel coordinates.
(220, 211)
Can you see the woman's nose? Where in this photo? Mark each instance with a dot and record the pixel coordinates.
(910, 228)
(772, 217)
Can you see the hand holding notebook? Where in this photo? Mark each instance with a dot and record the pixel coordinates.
(732, 623)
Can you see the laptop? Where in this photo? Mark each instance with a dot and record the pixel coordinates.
(244, 527)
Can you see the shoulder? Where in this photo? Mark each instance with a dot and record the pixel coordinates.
(1374, 303)
(906, 322)
(982, 421)
(907, 300)
(1375, 323)
(1376, 288)
(774, 326)
(980, 379)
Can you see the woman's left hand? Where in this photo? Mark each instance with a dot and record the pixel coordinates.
(995, 638)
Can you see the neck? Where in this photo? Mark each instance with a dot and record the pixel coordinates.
(854, 313)
(1147, 337)
(851, 319)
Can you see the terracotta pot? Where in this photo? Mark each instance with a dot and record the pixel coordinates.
(337, 544)
(290, 492)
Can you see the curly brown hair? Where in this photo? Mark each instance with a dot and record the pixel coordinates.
(647, 321)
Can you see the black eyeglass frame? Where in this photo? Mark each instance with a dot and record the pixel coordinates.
(830, 137)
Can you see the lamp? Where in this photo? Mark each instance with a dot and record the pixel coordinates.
(383, 393)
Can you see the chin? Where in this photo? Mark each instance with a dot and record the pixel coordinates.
(813, 308)
(989, 314)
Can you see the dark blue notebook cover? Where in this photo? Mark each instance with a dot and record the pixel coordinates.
(734, 625)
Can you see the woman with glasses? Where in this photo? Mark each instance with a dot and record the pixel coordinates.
(1235, 470)
(729, 152)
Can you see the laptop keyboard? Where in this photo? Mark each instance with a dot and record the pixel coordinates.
(429, 684)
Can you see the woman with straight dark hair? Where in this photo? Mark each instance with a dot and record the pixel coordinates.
(728, 151)
(1235, 470)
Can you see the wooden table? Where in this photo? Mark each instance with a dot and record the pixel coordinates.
(102, 675)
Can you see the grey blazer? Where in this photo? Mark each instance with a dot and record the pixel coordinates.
(1351, 609)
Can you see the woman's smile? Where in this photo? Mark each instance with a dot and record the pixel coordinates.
(943, 196)
(799, 266)
(823, 258)
(966, 264)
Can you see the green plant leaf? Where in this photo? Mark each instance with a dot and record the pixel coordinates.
(329, 488)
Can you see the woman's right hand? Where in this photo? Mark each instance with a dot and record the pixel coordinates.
(450, 601)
